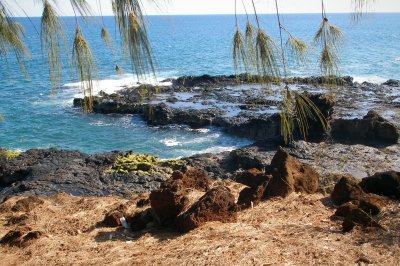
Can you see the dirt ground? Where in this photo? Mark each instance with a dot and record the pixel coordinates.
(297, 230)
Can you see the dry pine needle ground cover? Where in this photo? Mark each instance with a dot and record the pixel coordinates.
(297, 230)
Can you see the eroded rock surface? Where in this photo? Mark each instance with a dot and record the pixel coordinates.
(290, 175)
(218, 204)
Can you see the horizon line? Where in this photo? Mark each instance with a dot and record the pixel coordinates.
(220, 14)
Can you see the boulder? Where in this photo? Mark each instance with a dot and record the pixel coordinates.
(252, 178)
(392, 83)
(193, 178)
(162, 114)
(141, 220)
(218, 204)
(347, 189)
(290, 175)
(262, 128)
(385, 184)
(168, 201)
(112, 218)
(252, 196)
(245, 159)
(371, 129)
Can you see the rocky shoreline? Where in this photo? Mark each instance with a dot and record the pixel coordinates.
(357, 146)
(246, 109)
(332, 192)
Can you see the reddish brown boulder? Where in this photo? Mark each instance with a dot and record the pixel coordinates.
(385, 184)
(251, 195)
(217, 204)
(347, 189)
(252, 178)
(193, 178)
(168, 201)
(290, 175)
(12, 238)
(112, 218)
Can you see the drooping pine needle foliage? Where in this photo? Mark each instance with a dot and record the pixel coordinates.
(297, 50)
(11, 34)
(265, 51)
(239, 55)
(329, 38)
(297, 111)
(131, 24)
(106, 37)
(266, 57)
(240, 52)
(83, 61)
(82, 6)
(360, 7)
(52, 35)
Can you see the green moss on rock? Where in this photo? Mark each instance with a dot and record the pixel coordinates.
(144, 164)
(8, 155)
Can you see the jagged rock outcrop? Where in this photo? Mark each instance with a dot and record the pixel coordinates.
(290, 175)
(371, 129)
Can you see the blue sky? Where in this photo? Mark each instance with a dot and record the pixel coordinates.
(179, 7)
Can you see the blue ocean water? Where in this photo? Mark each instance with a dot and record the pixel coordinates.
(182, 45)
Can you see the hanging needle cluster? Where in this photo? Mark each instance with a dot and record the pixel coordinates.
(82, 7)
(105, 35)
(296, 50)
(11, 34)
(329, 38)
(134, 35)
(360, 7)
(297, 109)
(51, 36)
(84, 63)
(240, 53)
(255, 51)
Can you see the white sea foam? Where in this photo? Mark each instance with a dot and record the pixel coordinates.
(170, 142)
(370, 78)
(218, 149)
(113, 84)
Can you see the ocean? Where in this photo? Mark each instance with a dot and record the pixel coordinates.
(182, 45)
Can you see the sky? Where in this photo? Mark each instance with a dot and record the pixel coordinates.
(188, 7)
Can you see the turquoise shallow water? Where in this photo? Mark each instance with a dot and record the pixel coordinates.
(183, 45)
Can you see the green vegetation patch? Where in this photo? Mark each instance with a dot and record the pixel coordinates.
(8, 155)
(144, 164)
